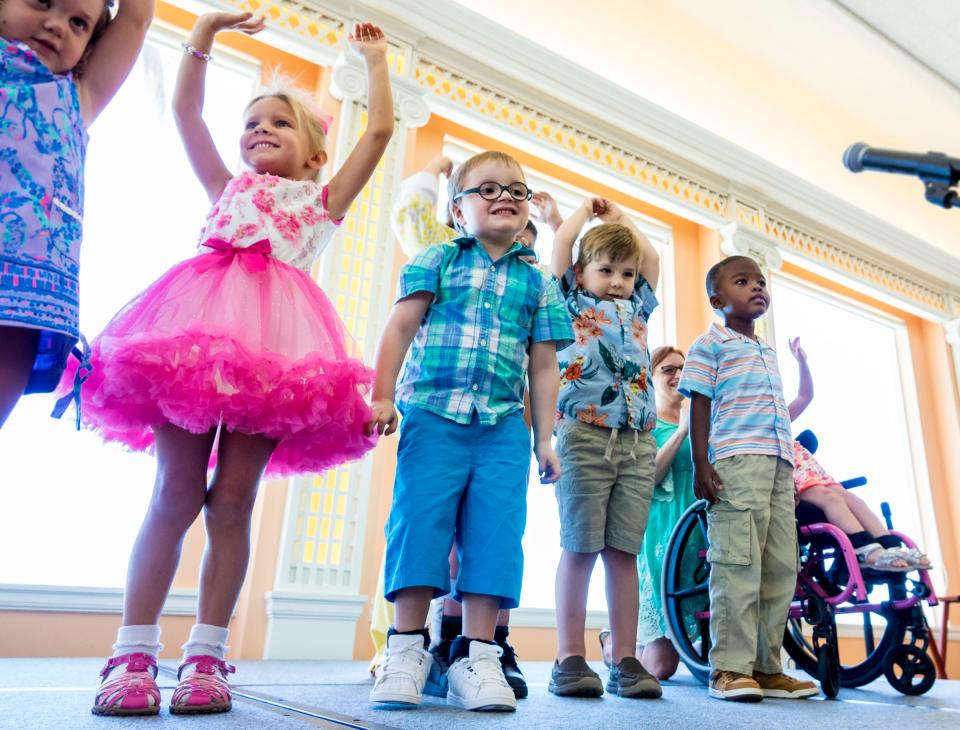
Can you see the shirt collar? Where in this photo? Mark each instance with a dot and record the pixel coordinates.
(517, 249)
(725, 334)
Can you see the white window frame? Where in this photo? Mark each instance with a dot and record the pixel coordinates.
(929, 537)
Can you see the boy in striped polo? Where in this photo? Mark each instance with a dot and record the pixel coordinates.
(743, 465)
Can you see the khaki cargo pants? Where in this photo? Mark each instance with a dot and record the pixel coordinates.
(753, 562)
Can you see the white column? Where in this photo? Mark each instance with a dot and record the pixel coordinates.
(313, 609)
(738, 240)
(952, 328)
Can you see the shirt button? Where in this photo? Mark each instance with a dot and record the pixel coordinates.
(493, 268)
(483, 343)
(486, 305)
(475, 386)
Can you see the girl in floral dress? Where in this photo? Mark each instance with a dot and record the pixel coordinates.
(233, 356)
(61, 61)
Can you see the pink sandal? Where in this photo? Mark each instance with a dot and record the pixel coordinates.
(205, 689)
(134, 692)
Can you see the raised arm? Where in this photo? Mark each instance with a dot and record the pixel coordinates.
(112, 57)
(668, 452)
(805, 391)
(369, 43)
(547, 210)
(610, 212)
(402, 325)
(188, 98)
(414, 215)
(566, 236)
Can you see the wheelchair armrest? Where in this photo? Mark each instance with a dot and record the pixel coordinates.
(852, 483)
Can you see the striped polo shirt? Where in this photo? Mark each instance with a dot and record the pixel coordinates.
(748, 414)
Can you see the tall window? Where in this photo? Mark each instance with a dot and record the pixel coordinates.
(72, 506)
(864, 411)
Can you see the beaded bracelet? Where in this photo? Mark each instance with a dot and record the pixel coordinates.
(196, 53)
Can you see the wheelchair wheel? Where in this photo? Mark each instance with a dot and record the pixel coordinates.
(685, 590)
(866, 661)
(909, 670)
(828, 670)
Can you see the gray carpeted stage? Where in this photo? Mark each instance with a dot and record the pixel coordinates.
(57, 693)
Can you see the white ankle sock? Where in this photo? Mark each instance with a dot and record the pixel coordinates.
(142, 639)
(207, 640)
(138, 639)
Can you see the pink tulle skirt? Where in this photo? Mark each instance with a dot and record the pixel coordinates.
(238, 339)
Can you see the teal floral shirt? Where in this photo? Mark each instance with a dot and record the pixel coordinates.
(603, 374)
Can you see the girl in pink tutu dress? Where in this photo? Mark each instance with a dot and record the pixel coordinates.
(239, 341)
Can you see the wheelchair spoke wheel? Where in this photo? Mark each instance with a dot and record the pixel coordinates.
(909, 670)
(860, 660)
(685, 589)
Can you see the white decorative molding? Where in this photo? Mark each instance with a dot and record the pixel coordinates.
(348, 81)
(84, 599)
(952, 328)
(740, 241)
(311, 625)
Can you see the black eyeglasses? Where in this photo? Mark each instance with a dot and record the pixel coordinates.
(671, 369)
(493, 190)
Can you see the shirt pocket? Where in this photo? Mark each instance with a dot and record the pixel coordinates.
(730, 533)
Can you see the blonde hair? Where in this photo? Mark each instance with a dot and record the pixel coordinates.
(455, 184)
(613, 240)
(305, 112)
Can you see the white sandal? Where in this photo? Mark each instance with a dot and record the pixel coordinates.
(884, 561)
(915, 558)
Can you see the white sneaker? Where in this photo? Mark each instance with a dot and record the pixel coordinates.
(477, 682)
(401, 678)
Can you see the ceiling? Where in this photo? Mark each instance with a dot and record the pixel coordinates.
(794, 82)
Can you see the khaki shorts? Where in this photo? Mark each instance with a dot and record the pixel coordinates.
(604, 502)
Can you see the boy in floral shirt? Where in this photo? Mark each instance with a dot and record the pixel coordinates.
(604, 440)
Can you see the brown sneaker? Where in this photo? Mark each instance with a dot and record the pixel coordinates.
(734, 687)
(783, 687)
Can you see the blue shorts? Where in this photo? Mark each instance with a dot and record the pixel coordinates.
(463, 482)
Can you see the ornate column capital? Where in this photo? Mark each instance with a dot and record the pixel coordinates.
(952, 328)
(738, 240)
(349, 83)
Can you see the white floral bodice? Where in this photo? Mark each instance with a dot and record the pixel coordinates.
(290, 214)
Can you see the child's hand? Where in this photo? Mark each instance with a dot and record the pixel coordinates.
(368, 41)
(440, 166)
(706, 482)
(384, 420)
(547, 210)
(607, 210)
(548, 463)
(797, 350)
(243, 22)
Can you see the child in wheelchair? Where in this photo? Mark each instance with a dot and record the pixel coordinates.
(873, 544)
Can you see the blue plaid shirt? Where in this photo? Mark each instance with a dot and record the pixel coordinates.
(470, 353)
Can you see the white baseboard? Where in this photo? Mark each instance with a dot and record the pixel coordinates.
(84, 599)
(311, 626)
(545, 618)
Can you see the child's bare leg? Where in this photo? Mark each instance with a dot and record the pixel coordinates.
(480, 615)
(660, 658)
(241, 459)
(871, 523)
(178, 496)
(16, 362)
(410, 607)
(622, 601)
(573, 582)
(831, 501)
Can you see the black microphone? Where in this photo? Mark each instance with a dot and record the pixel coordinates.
(933, 167)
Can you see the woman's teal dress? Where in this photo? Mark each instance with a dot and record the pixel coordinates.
(671, 497)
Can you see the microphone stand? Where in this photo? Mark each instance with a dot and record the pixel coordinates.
(941, 193)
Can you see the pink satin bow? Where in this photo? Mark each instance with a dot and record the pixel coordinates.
(252, 257)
